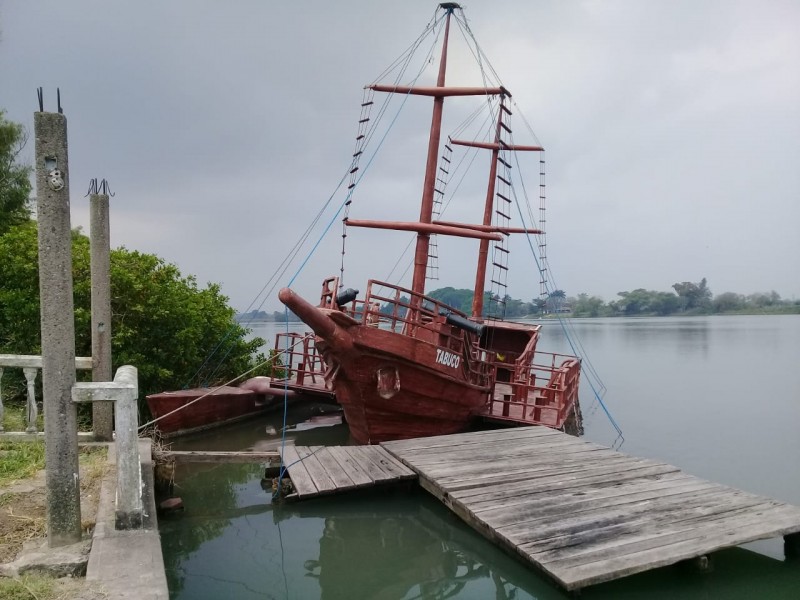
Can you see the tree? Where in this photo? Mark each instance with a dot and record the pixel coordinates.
(728, 301)
(539, 304)
(588, 306)
(162, 322)
(15, 185)
(555, 300)
(693, 295)
(761, 300)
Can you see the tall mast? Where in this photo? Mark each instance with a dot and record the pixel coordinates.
(425, 227)
(426, 211)
(495, 147)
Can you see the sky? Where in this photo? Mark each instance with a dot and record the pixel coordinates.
(672, 131)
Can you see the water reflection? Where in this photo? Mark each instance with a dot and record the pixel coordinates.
(209, 492)
(401, 545)
(394, 555)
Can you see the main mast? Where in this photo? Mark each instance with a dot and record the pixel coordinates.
(426, 226)
(426, 210)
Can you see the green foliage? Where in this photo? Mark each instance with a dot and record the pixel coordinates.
(589, 306)
(460, 299)
(646, 302)
(162, 323)
(556, 301)
(28, 587)
(693, 296)
(15, 187)
(20, 460)
(728, 302)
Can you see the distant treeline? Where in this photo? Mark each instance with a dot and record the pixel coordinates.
(686, 298)
(260, 316)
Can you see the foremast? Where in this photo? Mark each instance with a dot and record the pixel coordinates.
(495, 147)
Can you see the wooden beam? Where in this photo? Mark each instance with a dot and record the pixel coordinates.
(190, 456)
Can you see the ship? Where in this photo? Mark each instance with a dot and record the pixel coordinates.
(403, 364)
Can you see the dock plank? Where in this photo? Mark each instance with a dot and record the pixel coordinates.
(581, 512)
(346, 461)
(340, 477)
(316, 470)
(320, 470)
(385, 462)
(303, 484)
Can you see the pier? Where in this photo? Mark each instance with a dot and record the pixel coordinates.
(578, 511)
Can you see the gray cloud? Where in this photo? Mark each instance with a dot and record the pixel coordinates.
(672, 132)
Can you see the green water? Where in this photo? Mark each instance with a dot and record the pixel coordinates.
(719, 397)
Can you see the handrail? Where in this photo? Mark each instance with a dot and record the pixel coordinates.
(82, 363)
(545, 391)
(124, 393)
(30, 365)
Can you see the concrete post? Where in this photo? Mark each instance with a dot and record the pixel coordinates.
(124, 392)
(102, 422)
(58, 329)
(129, 466)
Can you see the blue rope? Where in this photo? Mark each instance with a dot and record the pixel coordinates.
(597, 395)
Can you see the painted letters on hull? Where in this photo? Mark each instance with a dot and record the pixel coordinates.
(423, 402)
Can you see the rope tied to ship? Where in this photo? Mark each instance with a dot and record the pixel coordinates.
(222, 385)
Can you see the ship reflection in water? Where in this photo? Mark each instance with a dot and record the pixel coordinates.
(372, 554)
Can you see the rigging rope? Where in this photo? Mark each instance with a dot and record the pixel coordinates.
(572, 337)
(291, 256)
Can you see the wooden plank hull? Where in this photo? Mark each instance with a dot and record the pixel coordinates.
(390, 388)
(221, 406)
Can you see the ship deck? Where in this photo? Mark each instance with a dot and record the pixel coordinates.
(580, 512)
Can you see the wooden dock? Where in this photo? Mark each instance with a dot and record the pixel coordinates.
(584, 513)
(320, 470)
(578, 511)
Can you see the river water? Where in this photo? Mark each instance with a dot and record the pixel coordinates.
(717, 396)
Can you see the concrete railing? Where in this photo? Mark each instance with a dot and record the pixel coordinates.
(123, 392)
(30, 366)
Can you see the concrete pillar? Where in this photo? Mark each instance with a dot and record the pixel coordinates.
(58, 329)
(102, 422)
(129, 467)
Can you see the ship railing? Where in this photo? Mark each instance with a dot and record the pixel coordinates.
(398, 309)
(402, 310)
(301, 362)
(480, 364)
(543, 392)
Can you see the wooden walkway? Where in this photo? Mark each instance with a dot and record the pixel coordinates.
(581, 512)
(319, 470)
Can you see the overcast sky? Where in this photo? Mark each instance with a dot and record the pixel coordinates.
(672, 131)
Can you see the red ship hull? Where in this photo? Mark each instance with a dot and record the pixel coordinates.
(220, 406)
(385, 396)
